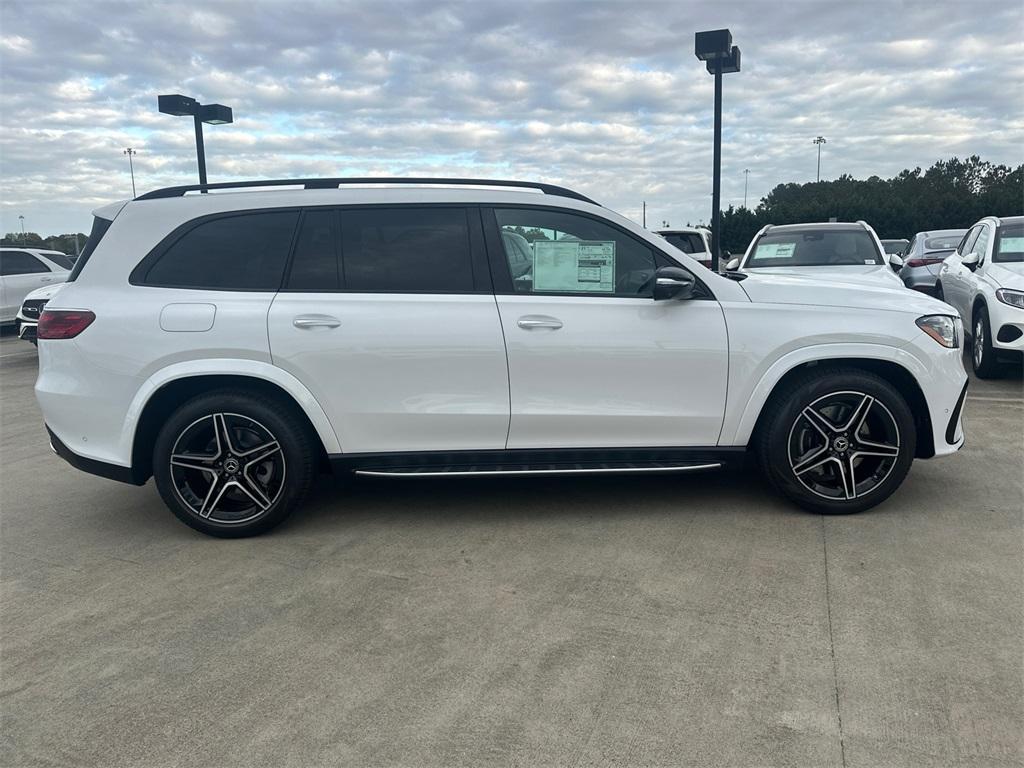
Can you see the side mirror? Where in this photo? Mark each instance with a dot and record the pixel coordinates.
(895, 261)
(672, 283)
(971, 261)
(732, 265)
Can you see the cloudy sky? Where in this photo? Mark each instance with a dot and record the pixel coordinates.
(605, 97)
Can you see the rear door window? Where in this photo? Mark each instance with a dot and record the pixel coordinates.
(315, 264)
(237, 252)
(20, 263)
(406, 250)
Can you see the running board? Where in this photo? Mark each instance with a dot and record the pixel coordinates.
(607, 469)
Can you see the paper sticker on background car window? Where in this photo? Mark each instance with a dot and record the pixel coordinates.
(1011, 245)
(574, 266)
(774, 250)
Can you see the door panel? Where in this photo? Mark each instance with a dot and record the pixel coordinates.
(616, 372)
(398, 372)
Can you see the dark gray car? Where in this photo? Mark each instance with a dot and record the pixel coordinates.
(925, 254)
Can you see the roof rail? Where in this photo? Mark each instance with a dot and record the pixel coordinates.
(547, 189)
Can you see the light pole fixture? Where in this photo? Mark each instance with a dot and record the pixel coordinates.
(746, 177)
(214, 114)
(22, 220)
(819, 141)
(716, 50)
(131, 167)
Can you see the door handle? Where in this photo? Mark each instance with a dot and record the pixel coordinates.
(535, 322)
(46, 280)
(316, 321)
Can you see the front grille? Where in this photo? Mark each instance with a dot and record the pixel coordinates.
(33, 307)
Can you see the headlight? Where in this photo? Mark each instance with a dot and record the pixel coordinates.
(1013, 298)
(942, 328)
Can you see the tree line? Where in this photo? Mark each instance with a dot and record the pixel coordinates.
(62, 243)
(952, 194)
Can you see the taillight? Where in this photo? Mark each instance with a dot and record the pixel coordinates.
(63, 323)
(924, 262)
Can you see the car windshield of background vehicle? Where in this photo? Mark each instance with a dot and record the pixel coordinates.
(687, 243)
(943, 242)
(895, 246)
(60, 260)
(821, 248)
(1009, 243)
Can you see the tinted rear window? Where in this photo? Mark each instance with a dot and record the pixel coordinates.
(244, 252)
(99, 229)
(315, 264)
(943, 242)
(687, 243)
(406, 250)
(60, 260)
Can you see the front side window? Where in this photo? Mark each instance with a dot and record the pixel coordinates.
(815, 248)
(968, 242)
(244, 252)
(1009, 243)
(573, 254)
(20, 263)
(419, 250)
(980, 246)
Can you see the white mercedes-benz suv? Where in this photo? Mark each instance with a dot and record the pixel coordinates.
(233, 340)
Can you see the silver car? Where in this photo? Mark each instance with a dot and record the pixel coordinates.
(925, 254)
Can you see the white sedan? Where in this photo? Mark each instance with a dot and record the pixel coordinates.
(838, 252)
(984, 280)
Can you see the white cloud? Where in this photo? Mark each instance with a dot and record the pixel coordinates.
(605, 96)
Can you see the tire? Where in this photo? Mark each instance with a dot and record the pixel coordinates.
(983, 356)
(878, 442)
(242, 489)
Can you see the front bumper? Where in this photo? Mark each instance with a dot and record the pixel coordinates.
(27, 330)
(1007, 326)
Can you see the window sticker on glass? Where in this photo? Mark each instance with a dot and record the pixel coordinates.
(774, 250)
(1011, 245)
(574, 266)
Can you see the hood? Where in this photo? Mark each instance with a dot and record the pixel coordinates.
(46, 292)
(873, 274)
(1008, 274)
(792, 288)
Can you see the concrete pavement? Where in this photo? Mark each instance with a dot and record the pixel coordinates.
(537, 622)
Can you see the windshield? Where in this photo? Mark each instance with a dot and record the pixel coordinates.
(943, 242)
(1009, 243)
(60, 259)
(895, 246)
(815, 248)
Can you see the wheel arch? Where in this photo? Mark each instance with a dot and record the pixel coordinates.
(891, 371)
(162, 396)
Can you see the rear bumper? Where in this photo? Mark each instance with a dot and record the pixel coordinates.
(92, 466)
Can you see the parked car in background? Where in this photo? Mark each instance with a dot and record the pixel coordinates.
(231, 345)
(984, 280)
(693, 241)
(924, 255)
(31, 308)
(827, 251)
(899, 247)
(22, 270)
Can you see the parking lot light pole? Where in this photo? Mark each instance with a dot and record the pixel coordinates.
(214, 114)
(746, 177)
(715, 48)
(131, 167)
(819, 141)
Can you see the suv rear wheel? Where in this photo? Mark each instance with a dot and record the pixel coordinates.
(232, 463)
(840, 441)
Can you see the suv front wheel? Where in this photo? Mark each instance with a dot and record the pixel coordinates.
(840, 441)
(233, 463)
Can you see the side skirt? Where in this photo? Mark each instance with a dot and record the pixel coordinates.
(527, 462)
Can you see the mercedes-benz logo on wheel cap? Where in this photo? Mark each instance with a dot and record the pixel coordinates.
(231, 466)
